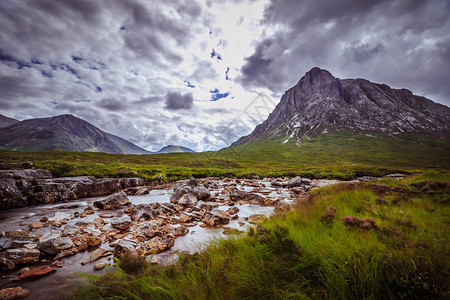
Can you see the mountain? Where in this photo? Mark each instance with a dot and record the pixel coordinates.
(64, 132)
(5, 121)
(174, 148)
(320, 103)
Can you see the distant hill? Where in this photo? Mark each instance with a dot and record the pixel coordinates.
(320, 104)
(64, 132)
(174, 148)
(6, 121)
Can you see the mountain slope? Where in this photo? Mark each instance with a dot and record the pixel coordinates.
(64, 132)
(174, 149)
(320, 103)
(6, 121)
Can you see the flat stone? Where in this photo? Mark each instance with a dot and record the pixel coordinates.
(22, 256)
(14, 293)
(35, 225)
(36, 272)
(55, 245)
(97, 254)
(99, 266)
(121, 223)
(106, 215)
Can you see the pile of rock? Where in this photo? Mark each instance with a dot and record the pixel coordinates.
(20, 188)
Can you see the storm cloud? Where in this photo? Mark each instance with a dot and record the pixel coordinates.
(176, 101)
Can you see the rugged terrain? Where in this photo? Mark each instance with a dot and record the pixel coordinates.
(6, 121)
(174, 149)
(320, 103)
(64, 132)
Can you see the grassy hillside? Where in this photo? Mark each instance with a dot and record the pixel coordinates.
(311, 253)
(338, 155)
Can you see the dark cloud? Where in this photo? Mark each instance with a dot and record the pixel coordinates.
(400, 43)
(175, 101)
(113, 104)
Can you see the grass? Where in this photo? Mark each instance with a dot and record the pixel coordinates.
(298, 256)
(334, 156)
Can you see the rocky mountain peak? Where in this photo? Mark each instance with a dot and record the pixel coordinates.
(320, 103)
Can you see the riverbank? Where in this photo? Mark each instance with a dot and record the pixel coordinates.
(383, 239)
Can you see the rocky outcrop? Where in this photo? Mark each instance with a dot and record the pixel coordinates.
(320, 103)
(20, 188)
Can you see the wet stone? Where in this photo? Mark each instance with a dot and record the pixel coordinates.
(36, 272)
(14, 293)
(121, 223)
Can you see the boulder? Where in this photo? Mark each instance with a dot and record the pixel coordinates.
(216, 217)
(14, 293)
(192, 182)
(242, 196)
(21, 256)
(10, 194)
(178, 192)
(112, 202)
(6, 265)
(121, 223)
(97, 254)
(188, 200)
(257, 218)
(201, 192)
(99, 266)
(276, 183)
(295, 182)
(70, 230)
(143, 211)
(15, 241)
(282, 205)
(36, 272)
(55, 245)
(124, 247)
(157, 244)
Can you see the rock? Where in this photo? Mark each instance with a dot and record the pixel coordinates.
(6, 265)
(14, 293)
(213, 185)
(178, 192)
(21, 256)
(232, 211)
(124, 247)
(295, 182)
(55, 245)
(99, 266)
(97, 254)
(180, 231)
(130, 207)
(70, 230)
(67, 253)
(15, 241)
(106, 215)
(184, 217)
(276, 183)
(112, 202)
(59, 216)
(44, 219)
(10, 194)
(216, 217)
(99, 222)
(142, 191)
(192, 182)
(92, 230)
(298, 190)
(188, 200)
(157, 244)
(242, 196)
(23, 270)
(282, 206)
(94, 241)
(36, 272)
(257, 218)
(121, 223)
(201, 192)
(143, 211)
(306, 181)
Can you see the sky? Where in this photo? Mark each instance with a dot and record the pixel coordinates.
(201, 74)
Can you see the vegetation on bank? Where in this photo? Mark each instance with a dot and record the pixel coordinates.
(386, 239)
(334, 156)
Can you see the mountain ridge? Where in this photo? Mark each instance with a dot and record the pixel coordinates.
(7, 121)
(63, 132)
(320, 103)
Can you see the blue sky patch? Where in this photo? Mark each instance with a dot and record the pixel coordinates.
(188, 84)
(98, 89)
(215, 54)
(76, 58)
(46, 74)
(215, 95)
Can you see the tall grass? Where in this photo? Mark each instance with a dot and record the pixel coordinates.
(296, 255)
